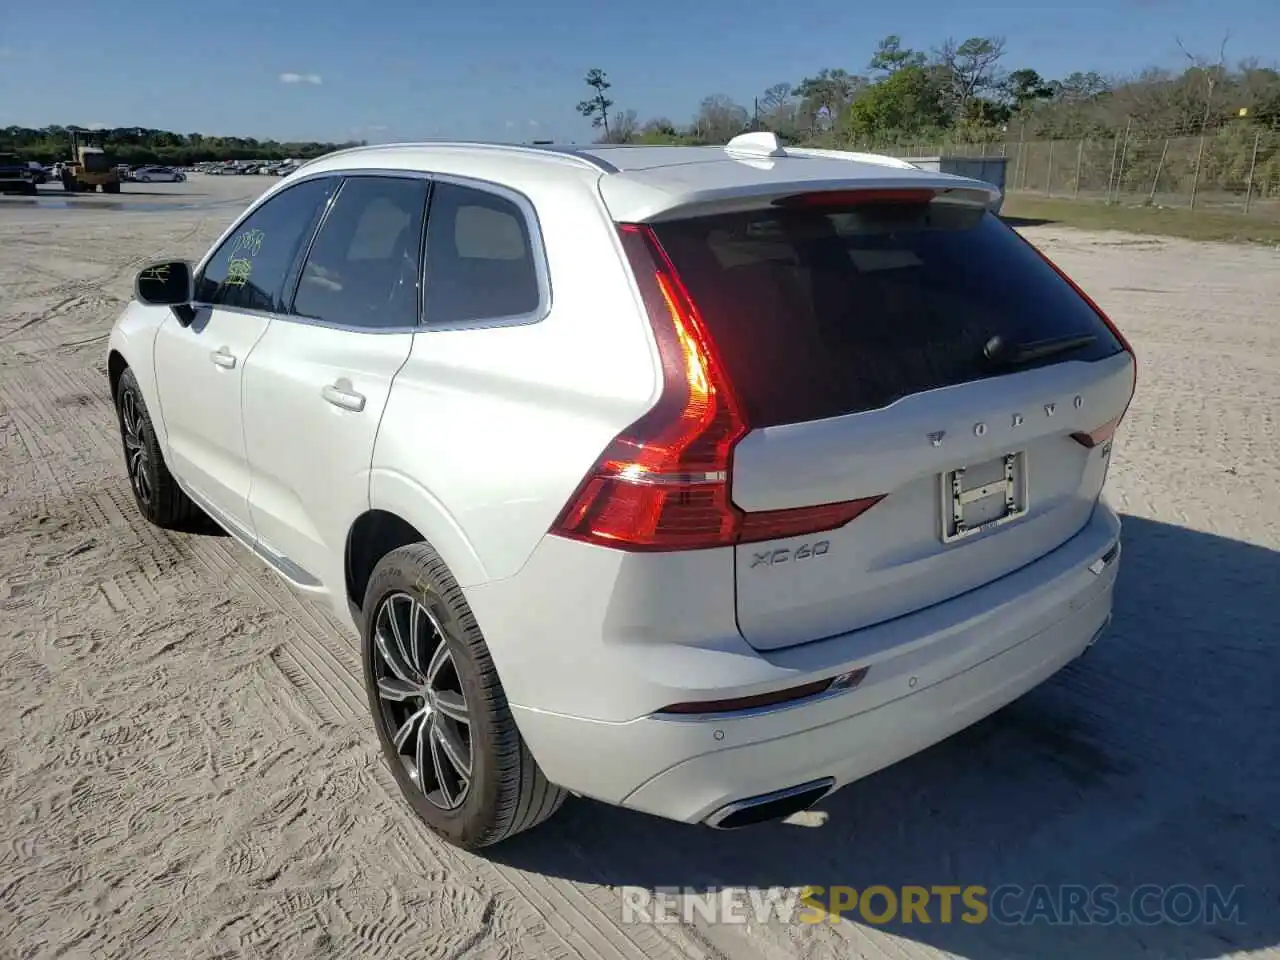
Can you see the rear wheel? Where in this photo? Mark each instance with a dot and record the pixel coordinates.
(111, 188)
(157, 494)
(439, 709)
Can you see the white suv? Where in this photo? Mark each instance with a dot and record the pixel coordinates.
(699, 480)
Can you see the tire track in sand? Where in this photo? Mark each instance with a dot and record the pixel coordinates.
(327, 665)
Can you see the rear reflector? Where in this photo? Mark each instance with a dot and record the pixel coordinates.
(846, 681)
(663, 483)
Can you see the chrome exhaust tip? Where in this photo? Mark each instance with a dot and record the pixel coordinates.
(777, 805)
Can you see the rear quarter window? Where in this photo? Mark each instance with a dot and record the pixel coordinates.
(821, 313)
(480, 258)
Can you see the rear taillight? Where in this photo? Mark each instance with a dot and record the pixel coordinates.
(1098, 435)
(663, 483)
(1106, 431)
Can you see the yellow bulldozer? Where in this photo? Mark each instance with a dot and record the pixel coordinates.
(90, 166)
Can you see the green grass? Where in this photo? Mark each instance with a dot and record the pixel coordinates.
(1165, 222)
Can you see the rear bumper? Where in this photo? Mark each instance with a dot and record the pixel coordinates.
(698, 788)
(930, 675)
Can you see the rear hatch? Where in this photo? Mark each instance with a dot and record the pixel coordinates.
(906, 350)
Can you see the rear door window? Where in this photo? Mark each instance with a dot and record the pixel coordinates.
(364, 268)
(819, 313)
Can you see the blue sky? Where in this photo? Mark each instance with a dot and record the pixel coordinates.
(512, 69)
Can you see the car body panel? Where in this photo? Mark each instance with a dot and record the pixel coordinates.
(612, 719)
(199, 378)
(132, 339)
(893, 559)
(309, 458)
(545, 392)
(478, 434)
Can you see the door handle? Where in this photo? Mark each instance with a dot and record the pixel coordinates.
(223, 358)
(340, 396)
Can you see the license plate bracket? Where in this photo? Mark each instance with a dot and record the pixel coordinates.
(984, 496)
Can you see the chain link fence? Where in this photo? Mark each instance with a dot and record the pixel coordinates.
(1233, 169)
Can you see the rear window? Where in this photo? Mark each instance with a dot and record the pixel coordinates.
(819, 313)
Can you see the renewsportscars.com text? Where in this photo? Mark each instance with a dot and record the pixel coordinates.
(1007, 904)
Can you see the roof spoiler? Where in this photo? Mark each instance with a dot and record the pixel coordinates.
(765, 145)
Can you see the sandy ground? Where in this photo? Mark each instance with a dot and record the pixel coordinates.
(187, 769)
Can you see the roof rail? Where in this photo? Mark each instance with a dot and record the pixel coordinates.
(568, 153)
(876, 158)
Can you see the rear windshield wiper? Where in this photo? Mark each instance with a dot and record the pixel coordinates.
(1020, 354)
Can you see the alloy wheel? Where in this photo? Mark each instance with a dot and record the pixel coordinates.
(421, 699)
(133, 429)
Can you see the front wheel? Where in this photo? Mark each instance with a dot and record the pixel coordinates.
(439, 709)
(159, 498)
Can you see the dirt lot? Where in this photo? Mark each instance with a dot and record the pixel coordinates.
(186, 767)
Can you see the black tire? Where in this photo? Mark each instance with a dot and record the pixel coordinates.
(507, 791)
(111, 188)
(31, 190)
(159, 498)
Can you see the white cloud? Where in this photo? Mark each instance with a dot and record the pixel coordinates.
(533, 123)
(312, 78)
(98, 125)
(511, 124)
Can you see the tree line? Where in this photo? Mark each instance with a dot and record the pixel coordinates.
(963, 92)
(957, 92)
(136, 145)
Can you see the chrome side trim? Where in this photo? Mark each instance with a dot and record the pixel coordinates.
(217, 516)
(286, 567)
(283, 566)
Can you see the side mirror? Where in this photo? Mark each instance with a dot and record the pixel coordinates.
(170, 284)
(165, 284)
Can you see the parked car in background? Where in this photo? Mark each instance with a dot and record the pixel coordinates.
(799, 472)
(16, 175)
(158, 175)
(38, 172)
